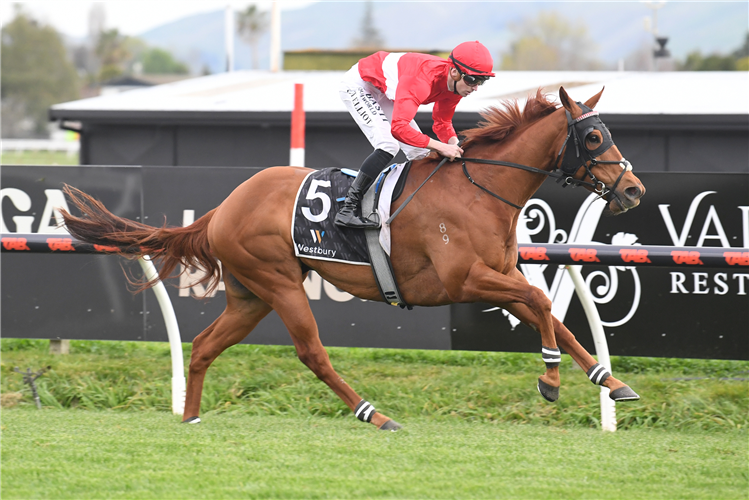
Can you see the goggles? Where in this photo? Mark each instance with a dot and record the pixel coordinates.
(473, 80)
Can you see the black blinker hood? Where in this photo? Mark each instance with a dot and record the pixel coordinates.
(576, 154)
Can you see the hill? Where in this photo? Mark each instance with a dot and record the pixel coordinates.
(616, 28)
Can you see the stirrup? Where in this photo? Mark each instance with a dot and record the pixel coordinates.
(374, 218)
(356, 222)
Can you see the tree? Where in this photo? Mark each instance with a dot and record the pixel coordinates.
(370, 36)
(550, 42)
(36, 74)
(251, 24)
(159, 61)
(113, 53)
(743, 50)
(695, 61)
(738, 60)
(742, 55)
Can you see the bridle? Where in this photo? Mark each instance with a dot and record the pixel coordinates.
(576, 156)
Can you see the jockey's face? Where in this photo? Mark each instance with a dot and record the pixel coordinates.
(461, 86)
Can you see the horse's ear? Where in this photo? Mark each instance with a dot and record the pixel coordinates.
(591, 103)
(569, 104)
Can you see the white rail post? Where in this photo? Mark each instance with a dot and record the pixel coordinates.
(608, 406)
(172, 331)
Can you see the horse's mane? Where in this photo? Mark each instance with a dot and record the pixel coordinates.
(498, 123)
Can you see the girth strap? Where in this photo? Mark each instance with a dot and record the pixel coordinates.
(381, 266)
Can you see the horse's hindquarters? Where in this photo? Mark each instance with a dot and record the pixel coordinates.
(255, 219)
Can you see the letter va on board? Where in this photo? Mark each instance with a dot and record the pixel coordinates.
(712, 221)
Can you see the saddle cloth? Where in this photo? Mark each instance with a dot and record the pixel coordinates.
(318, 200)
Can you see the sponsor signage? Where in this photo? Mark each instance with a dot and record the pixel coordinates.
(67, 293)
(653, 300)
(696, 307)
(652, 256)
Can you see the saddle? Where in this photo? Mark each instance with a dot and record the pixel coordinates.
(315, 235)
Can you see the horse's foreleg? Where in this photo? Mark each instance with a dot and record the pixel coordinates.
(595, 372)
(599, 376)
(294, 310)
(487, 285)
(243, 312)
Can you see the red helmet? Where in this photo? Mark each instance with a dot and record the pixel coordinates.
(472, 58)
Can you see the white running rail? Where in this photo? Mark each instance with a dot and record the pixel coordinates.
(172, 331)
(608, 406)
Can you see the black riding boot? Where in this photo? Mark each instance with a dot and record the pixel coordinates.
(349, 214)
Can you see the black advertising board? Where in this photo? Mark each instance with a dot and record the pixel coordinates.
(68, 296)
(671, 311)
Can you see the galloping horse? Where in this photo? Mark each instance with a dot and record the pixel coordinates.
(248, 237)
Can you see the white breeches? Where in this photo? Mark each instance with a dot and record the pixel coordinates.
(372, 111)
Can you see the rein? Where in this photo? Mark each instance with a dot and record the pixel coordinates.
(562, 173)
(416, 191)
(598, 187)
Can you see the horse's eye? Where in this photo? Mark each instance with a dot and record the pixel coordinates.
(593, 138)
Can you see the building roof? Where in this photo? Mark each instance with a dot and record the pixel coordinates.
(146, 80)
(243, 95)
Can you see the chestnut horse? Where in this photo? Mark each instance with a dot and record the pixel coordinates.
(511, 153)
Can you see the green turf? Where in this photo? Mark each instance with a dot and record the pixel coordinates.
(441, 385)
(148, 454)
(38, 158)
(474, 427)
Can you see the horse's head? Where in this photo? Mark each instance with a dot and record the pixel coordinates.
(590, 151)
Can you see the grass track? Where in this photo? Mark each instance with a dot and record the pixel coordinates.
(443, 385)
(109, 454)
(38, 158)
(475, 428)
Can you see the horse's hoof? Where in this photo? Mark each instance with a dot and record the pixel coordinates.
(624, 394)
(391, 425)
(550, 393)
(191, 420)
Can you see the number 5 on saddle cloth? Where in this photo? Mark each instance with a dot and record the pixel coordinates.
(316, 236)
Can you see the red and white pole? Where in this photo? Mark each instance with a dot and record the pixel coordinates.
(296, 158)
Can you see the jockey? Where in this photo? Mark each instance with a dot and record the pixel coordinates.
(383, 92)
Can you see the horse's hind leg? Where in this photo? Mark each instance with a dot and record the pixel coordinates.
(243, 312)
(291, 304)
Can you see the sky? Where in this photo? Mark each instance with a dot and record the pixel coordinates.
(71, 16)
(136, 17)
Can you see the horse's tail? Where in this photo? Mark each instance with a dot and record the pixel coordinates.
(169, 246)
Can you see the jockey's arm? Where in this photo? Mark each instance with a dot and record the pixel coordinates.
(442, 114)
(404, 110)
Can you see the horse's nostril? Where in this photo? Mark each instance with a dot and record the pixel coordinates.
(633, 192)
